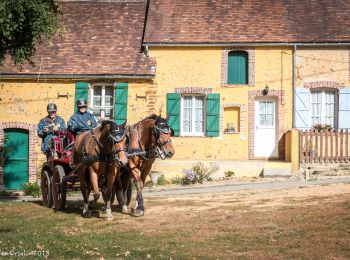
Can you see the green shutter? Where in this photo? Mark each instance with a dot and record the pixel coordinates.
(213, 115)
(121, 102)
(173, 108)
(237, 69)
(81, 91)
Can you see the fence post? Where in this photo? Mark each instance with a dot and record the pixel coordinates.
(341, 145)
(346, 145)
(317, 133)
(307, 148)
(331, 159)
(311, 148)
(326, 146)
(321, 146)
(336, 146)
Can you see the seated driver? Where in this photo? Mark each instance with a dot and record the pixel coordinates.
(48, 126)
(82, 120)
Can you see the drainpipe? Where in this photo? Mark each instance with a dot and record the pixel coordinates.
(294, 83)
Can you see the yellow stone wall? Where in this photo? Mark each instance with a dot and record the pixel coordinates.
(180, 67)
(322, 64)
(231, 115)
(26, 100)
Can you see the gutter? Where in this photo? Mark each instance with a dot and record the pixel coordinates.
(294, 83)
(253, 44)
(143, 49)
(75, 76)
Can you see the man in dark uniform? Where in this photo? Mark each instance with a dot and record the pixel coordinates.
(48, 125)
(82, 120)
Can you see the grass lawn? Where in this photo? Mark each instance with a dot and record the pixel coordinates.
(312, 222)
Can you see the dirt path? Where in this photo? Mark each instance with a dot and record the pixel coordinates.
(305, 222)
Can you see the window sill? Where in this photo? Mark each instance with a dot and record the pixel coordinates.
(231, 133)
(193, 136)
(236, 85)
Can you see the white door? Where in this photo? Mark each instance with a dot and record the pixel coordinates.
(265, 129)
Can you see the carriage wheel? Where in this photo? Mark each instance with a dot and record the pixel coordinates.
(59, 188)
(104, 191)
(45, 184)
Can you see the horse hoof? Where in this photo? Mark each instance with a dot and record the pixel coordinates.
(87, 214)
(138, 213)
(109, 217)
(125, 209)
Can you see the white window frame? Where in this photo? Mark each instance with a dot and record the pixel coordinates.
(183, 133)
(103, 95)
(323, 106)
(273, 113)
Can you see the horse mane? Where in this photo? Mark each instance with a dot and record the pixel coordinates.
(107, 121)
(153, 116)
(104, 123)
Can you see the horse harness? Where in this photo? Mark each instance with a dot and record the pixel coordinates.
(152, 152)
(108, 158)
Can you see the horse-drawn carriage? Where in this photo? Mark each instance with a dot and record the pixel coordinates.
(58, 175)
(104, 160)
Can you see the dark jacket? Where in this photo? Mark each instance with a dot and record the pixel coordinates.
(81, 122)
(46, 136)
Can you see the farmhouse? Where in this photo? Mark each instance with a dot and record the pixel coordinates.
(236, 77)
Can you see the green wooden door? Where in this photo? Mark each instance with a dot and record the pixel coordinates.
(16, 159)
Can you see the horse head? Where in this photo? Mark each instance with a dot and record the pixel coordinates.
(119, 137)
(116, 135)
(163, 132)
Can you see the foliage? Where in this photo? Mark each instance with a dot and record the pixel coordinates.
(229, 174)
(24, 24)
(4, 193)
(162, 180)
(198, 173)
(320, 127)
(32, 189)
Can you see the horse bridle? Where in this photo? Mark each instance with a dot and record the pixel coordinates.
(117, 136)
(164, 128)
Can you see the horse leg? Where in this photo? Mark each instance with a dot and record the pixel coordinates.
(139, 210)
(113, 169)
(86, 210)
(146, 169)
(120, 194)
(94, 182)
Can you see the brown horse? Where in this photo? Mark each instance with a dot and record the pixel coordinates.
(100, 151)
(152, 137)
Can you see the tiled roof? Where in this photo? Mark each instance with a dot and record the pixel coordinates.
(243, 21)
(101, 38)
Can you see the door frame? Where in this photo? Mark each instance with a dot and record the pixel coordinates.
(275, 100)
(279, 95)
(33, 155)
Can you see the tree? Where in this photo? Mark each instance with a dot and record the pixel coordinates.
(24, 24)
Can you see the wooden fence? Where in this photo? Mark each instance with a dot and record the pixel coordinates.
(324, 146)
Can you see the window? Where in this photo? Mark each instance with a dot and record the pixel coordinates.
(192, 115)
(237, 68)
(102, 101)
(266, 113)
(323, 107)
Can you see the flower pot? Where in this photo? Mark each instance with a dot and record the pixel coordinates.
(155, 176)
